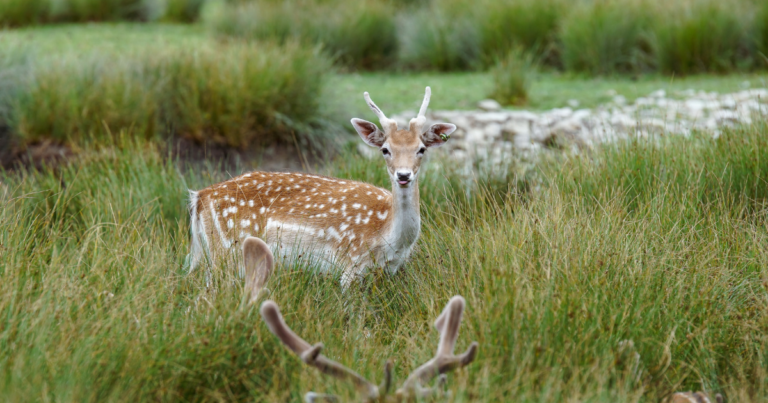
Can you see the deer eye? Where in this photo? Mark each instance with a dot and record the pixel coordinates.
(421, 151)
(385, 151)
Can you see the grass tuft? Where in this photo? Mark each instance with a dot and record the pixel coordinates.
(234, 94)
(512, 76)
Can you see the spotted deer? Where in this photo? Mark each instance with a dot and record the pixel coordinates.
(330, 222)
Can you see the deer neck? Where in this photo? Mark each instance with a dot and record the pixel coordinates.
(406, 220)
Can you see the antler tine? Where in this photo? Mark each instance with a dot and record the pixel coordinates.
(425, 103)
(447, 325)
(386, 123)
(311, 354)
(417, 123)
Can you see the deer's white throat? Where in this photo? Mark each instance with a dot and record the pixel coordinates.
(406, 224)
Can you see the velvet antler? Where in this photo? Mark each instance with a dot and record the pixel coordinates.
(447, 325)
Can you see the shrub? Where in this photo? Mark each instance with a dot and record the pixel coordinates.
(529, 24)
(357, 34)
(605, 37)
(512, 77)
(703, 36)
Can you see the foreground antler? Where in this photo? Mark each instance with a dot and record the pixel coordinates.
(447, 325)
(690, 397)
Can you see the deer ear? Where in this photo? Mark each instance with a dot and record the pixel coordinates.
(369, 132)
(259, 264)
(437, 134)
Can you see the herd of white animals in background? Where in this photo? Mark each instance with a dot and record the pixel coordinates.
(491, 134)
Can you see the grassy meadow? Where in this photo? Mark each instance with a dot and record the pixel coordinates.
(620, 274)
(659, 243)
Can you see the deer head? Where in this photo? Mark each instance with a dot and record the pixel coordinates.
(403, 150)
(447, 324)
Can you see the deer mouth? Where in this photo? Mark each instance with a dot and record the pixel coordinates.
(404, 183)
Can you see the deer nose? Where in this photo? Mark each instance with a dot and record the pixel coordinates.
(403, 176)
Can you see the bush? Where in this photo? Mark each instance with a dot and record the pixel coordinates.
(530, 24)
(606, 37)
(704, 36)
(512, 77)
(357, 34)
(234, 94)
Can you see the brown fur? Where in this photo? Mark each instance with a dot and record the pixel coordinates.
(312, 201)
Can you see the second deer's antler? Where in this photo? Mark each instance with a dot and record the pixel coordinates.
(447, 325)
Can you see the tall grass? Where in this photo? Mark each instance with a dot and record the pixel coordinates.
(357, 34)
(22, 12)
(15, 13)
(234, 94)
(761, 35)
(619, 248)
(528, 24)
(704, 36)
(440, 37)
(606, 37)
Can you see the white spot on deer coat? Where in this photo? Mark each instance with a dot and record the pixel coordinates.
(382, 215)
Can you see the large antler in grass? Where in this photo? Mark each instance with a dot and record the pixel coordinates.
(447, 325)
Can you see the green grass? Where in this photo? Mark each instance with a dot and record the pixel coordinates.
(71, 82)
(529, 24)
(359, 35)
(663, 244)
(16, 13)
(512, 75)
(401, 92)
(603, 38)
(704, 36)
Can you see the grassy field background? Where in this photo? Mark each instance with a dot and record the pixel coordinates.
(661, 243)
(623, 273)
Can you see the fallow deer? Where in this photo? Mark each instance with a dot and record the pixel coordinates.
(330, 222)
